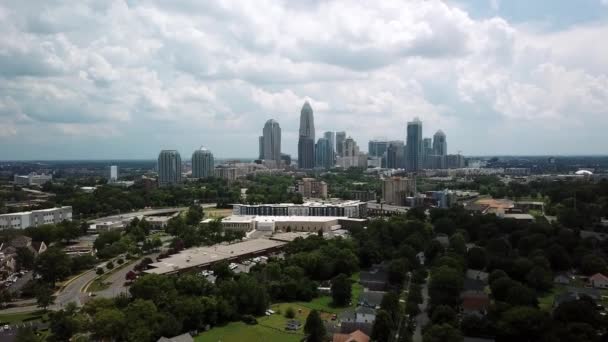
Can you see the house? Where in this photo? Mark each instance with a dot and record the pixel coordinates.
(599, 281)
(477, 275)
(375, 279)
(181, 338)
(589, 234)
(443, 239)
(371, 299)
(473, 285)
(22, 241)
(361, 314)
(355, 336)
(475, 303)
(576, 293)
(350, 327)
(421, 258)
(561, 279)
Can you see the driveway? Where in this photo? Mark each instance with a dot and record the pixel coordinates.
(422, 318)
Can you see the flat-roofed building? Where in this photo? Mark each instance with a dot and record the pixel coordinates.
(204, 257)
(320, 208)
(395, 190)
(35, 218)
(32, 179)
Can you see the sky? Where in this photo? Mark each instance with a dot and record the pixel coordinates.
(124, 79)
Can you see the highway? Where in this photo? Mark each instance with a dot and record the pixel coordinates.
(145, 212)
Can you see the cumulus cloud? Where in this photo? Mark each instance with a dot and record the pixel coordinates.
(158, 74)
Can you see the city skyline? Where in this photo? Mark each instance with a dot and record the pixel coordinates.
(104, 81)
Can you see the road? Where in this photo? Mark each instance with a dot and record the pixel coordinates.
(145, 212)
(422, 318)
(70, 293)
(134, 214)
(117, 279)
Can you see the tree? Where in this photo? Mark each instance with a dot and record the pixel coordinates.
(341, 290)
(63, 323)
(44, 296)
(314, 327)
(25, 258)
(109, 324)
(443, 314)
(445, 226)
(592, 264)
(442, 333)
(157, 288)
(144, 320)
(5, 297)
(99, 271)
(458, 244)
(27, 335)
(397, 271)
(110, 265)
(522, 324)
(390, 304)
(520, 295)
(194, 215)
(383, 325)
(53, 265)
(445, 286)
(500, 288)
(476, 258)
(539, 279)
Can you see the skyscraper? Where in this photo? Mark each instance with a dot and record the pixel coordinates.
(323, 154)
(427, 151)
(414, 146)
(271, 142)
(440, 144)
(340, 137)
(306, 142)
(169, 168)
(395, 155)
(331, 136)
(261, 147)
(113, 173)
(202, 163)
(377, 148)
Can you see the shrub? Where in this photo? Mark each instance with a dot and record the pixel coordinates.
(249, 319)
(290, 313)
(120, 261)
(99, 271)
(110, 265)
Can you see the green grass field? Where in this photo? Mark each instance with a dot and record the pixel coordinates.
(20, 317)
(240, 332)
(269, 328)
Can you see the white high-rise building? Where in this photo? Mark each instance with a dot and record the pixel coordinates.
(113, 173)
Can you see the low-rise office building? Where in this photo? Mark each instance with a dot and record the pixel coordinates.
(35, 218)
(32, 179)
(322, 208)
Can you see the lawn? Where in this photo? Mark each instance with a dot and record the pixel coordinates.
(269, 328)
(324, 303)
(240, 332)
(272, 328)
(545, 302)
(20, 317)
